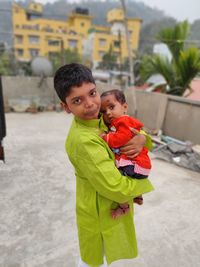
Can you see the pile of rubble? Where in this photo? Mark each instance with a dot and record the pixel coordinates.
(183, 154)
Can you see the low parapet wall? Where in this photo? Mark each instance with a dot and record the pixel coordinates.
(176, 116)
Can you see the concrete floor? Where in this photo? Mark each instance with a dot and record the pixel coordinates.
(37, 203)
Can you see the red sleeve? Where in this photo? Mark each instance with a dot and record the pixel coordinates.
(122, 134)
(136, 124)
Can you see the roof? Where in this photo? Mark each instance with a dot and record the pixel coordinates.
(195, 94)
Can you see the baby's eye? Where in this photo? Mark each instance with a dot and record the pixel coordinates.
(112, 107)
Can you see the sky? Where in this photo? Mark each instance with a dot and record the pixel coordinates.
(179, 9)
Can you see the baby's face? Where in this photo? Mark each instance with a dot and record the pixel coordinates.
(83, 101)
(111, 108)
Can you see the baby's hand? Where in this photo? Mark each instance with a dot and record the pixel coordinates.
(102, 135)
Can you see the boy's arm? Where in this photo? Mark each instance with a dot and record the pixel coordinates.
(96, 165)
(133, 147)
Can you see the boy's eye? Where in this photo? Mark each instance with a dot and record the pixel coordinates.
(77, 101)
(93, 93)
(112, 107)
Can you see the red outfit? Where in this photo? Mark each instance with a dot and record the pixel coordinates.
(119, 135)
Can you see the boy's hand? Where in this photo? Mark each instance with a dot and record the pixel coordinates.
(133, 147)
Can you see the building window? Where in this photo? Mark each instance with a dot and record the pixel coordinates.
(34, 52)
(60, 30)
(102, 42)
(82, 24)
(19, 39)
(33, 39)
(53, 55)
(20, 52)
(116, 44)
(53, 42)
(72, 33)
(72, 43)
(101, 54)
(116, 54)
(48, 29)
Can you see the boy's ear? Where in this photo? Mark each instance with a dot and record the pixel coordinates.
(65, 107)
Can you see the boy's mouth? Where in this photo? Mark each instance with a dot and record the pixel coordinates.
(91, 113)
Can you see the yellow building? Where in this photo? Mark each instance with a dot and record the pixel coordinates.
(35, 35)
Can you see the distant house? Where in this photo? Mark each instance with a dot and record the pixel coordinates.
(195, 94)
(161, 49)
(157, 82)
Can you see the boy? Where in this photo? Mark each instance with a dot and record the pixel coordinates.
(99, 184)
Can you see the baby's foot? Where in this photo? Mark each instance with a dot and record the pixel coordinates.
(138, 200)
(119, 212)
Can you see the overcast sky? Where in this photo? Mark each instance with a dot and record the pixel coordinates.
(179, 9)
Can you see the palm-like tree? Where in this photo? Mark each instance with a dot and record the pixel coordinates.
(184, 65)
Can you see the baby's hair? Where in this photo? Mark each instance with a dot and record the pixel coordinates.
(71, 75)
(119, 95)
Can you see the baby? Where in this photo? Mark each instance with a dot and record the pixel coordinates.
(114, 109)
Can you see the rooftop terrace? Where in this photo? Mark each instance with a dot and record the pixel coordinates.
(37, 189)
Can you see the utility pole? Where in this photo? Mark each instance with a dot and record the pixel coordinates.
(120, 57)
(130, 57)
(128, 43)
(62, 52)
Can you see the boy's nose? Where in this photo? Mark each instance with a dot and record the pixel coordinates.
(88, 103)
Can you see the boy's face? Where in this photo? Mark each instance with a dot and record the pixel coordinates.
(111, 108)
(83, 101)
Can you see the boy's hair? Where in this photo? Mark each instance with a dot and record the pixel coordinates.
(71, 75)
(119, 95)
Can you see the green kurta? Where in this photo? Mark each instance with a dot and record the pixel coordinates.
(99, 185)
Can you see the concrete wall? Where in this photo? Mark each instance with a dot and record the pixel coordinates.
(176, 116)
(151, 107)
(32, 89)
(182, 119)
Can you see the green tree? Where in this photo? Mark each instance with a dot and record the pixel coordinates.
(185, 63)
(66, 57)
(5, 64)
(149, 32)
(109, 60)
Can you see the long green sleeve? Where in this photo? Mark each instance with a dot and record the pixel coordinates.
(100, 170)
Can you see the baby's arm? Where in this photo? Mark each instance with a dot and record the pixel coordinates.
(117, 139)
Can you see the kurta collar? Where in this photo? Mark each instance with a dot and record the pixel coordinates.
(96, 123)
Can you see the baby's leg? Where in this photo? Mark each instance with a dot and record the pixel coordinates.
(122, 209)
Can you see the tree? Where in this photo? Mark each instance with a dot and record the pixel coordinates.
(185, 63)
(109, 60)
(5, 64)
(149, 32)
(67, 56)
